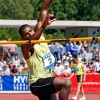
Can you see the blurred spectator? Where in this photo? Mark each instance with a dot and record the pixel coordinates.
(79, 44)
(10, 64)
(68, 47)
(92, 70)
(56, 51)
(70, 58)
(84, 55)
(64, 56)
(11, 48)
(23, 68)
(96, 57)
(5, 70)
(16, 61)
(94, 51)
(2, 62)
(96, 66)
(88, 67)
(14, 71)
(85, 45)
(61, 51)
(58, 69)
(74, 49)
(67, 59)
(51, 47)
(67, 69)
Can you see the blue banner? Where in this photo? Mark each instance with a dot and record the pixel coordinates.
(14, 83)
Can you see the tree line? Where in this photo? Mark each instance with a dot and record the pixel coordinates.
(84, 10)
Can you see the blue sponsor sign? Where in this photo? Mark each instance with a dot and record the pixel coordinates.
(14, 83)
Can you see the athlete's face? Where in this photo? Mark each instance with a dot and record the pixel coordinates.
(74, 61)
(27, 33)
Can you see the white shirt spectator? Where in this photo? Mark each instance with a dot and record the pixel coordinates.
(2, 62)
(5, 70)
(59, 68)
(67, 69)
(96, 66)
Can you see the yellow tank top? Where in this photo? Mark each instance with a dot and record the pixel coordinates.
(78, 69)
(36, 63)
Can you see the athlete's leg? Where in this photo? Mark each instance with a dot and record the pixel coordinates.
(82, 90)
(63, 85)
(78, 89)
(79, 80)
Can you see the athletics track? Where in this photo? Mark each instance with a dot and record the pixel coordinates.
(29, 96)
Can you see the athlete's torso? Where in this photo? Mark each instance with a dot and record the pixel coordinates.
(36, 62)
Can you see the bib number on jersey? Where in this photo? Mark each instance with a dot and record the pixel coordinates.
(49, 60)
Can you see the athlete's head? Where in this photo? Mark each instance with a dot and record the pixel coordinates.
(75, 60)
(26, 31)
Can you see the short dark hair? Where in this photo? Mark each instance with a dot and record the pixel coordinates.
(95, 47)
(21, 28)
(74, 59)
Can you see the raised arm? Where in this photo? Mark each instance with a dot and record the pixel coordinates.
(36, 36)
(43, 14)
(38, 33)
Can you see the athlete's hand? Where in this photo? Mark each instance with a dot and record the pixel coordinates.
(49, 19)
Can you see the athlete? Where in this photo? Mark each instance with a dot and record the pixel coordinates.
(37, 56)
(80, 72)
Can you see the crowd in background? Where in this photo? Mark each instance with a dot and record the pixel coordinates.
(11, 64)
(63, 57)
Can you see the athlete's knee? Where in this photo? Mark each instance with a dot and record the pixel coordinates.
(68, 83)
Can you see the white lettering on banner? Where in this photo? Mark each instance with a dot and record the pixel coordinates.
(20, 79)
(20, 86)
(20, 83)
(17, 87)
(23, 86)
(91, 83)
(27, 87)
